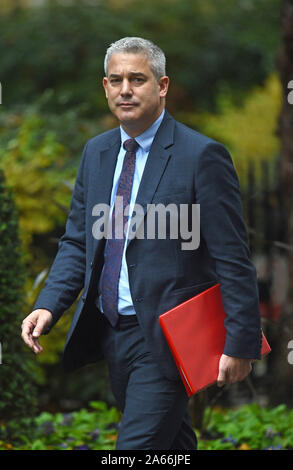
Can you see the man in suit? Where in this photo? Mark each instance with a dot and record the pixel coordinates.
(128, 282)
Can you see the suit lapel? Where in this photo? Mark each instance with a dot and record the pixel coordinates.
(107, 164)
(106, 169)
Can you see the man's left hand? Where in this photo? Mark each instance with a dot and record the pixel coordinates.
(233, 369)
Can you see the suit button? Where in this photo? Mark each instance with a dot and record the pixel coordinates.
(92, 263)
(132, 265)
(83, 298)
(139, 299)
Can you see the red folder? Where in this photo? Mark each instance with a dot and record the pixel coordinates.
(195, 333)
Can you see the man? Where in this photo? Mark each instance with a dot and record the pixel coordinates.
(128, 283)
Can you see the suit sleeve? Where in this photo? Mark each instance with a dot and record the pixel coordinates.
(224, 231)
(66, 276)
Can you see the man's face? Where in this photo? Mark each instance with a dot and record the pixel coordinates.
(134, 95)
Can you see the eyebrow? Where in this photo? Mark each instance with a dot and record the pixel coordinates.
(140, 74)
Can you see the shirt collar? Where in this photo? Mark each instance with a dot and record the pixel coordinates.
(145, 139)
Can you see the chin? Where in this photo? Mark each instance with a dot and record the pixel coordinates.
(127, 118)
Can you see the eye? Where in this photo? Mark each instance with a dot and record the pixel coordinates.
(138, 80)
(114, 81)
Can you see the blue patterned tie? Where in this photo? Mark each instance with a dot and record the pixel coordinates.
(114, 246)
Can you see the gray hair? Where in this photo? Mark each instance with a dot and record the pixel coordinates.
(139, 46)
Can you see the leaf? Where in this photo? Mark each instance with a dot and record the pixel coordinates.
(98, 405)
(38, 445)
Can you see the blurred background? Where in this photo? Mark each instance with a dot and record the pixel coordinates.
(230, 64)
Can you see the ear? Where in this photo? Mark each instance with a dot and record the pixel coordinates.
(105, 84)
(164, 85)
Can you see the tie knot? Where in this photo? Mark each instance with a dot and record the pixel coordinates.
(130, 145)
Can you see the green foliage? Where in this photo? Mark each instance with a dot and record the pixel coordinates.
(35, 163)
(93, 429)
(17, 394)
(249, 427)
(209, 46)
(249, 130)
(40, 154)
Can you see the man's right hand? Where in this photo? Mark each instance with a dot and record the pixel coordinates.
(33, 326)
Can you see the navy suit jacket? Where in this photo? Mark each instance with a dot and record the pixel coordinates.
(183, 167)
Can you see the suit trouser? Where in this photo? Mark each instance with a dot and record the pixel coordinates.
(154, 409)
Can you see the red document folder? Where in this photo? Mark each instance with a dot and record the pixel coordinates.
(195, 333)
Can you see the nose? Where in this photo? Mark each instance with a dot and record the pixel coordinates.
(126, 89)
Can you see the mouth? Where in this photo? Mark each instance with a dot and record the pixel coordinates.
(126, 105)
